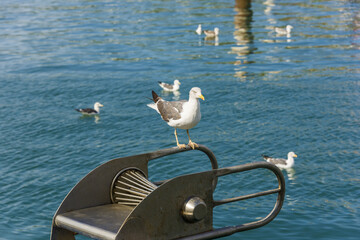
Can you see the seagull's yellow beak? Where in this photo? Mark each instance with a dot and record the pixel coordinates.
(101, 105)
(295, 155)
(202, 97)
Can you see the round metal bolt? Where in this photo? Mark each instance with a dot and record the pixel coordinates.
(194, 209)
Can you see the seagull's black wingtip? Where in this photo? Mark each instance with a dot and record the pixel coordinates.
(155, 96)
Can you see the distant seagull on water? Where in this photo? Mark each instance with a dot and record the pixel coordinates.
(281, 162)
(211, 33)
(170, 87)
(90, 111)
(283, 31)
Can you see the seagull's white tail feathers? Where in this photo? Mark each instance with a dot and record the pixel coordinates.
(155, 98)
(153, 106)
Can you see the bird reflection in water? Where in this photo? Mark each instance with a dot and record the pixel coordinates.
(88, 117)
(290, 173)
(176, 94)
(212, 40)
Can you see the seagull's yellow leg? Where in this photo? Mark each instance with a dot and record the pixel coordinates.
(191, 143)
(177, 141)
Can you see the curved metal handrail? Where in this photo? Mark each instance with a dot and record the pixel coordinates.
(226, 231)
(173, 150)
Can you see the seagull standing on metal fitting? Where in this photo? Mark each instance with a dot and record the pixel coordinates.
(183, 114)
(281, 162)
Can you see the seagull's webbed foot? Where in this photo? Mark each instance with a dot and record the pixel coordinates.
(193, 145)
(181, 146)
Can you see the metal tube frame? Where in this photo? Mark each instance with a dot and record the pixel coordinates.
(226, 231)
(71, 202)
(174, 150)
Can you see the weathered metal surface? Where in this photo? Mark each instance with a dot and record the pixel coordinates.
(95, 188)
(95, 221)
(161, 210)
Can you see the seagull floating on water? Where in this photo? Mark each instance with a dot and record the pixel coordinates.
(281, 162)
(198, 30)
(211, 33)
(183, 114)
(285, 30)
(170, 87)
(90, 111)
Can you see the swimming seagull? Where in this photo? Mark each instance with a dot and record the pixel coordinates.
(281, 162)
(180, 114)
(211, 33)
(170, 87)
(198, 30)
(285, 30)
(90, 111)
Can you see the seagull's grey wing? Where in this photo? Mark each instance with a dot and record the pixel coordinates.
(169, 110)
(178, 105)
(166, 85)
(277, 161)
(86, 110)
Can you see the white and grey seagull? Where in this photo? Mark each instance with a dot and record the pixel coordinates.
(283, 31)
(281, 162)
(183, 114)
(211, 33)
(170, 87)
(90, 111)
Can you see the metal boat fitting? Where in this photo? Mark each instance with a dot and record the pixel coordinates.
(117, 201)
(194, 209)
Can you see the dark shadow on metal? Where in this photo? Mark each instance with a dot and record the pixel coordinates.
(117, 201)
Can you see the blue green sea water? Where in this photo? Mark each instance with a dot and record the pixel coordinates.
(264, 94)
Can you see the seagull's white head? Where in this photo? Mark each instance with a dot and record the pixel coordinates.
(177, 82)
(196, 92)
(216, 31)
(288, 28)
(291, 155)
(97, 105)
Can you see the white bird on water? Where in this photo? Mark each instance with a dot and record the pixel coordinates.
(183, 114)
(211, 33)
(90, 111)
(198, 30)
(281, 162)
(170, 87)
(283, 31)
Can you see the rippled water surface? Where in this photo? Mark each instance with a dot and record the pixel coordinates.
(264, 93)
